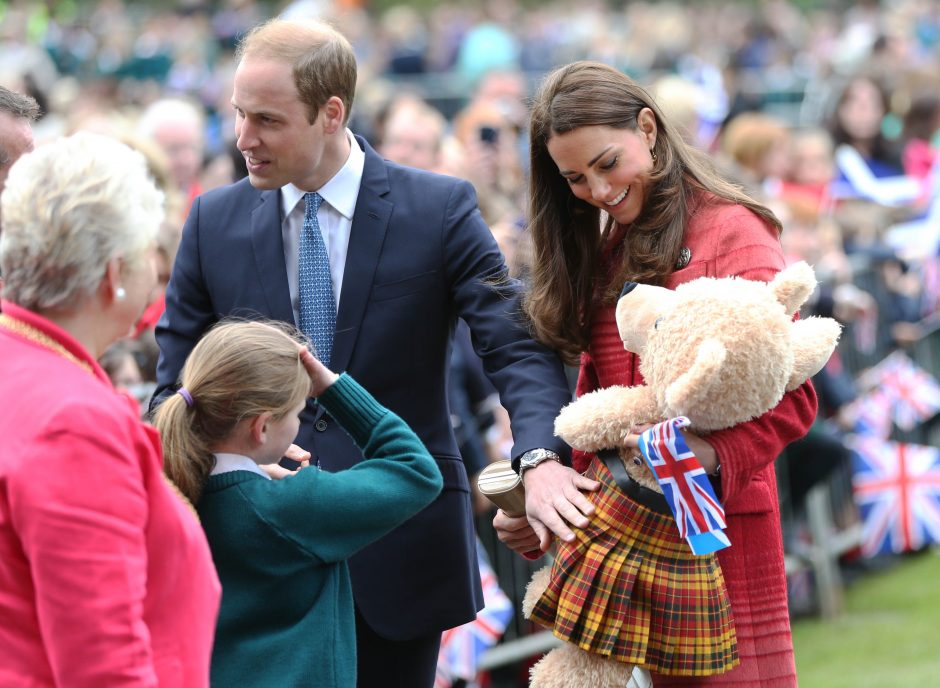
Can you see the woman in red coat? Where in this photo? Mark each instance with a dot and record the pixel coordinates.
(600, 143)
(106, 578)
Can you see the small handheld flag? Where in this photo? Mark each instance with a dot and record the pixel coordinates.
(698, 513)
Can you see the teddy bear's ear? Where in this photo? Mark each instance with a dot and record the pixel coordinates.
(793, 285)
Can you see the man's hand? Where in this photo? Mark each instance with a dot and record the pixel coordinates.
(554, 499)
(516, 533)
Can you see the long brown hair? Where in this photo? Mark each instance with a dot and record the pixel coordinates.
(237, 370)
(566, 232)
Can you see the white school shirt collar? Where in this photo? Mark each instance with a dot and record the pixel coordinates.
(226, 463)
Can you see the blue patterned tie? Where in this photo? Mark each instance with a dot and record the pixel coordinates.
(317, 306)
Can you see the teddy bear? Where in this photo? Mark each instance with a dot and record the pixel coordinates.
(718, 352)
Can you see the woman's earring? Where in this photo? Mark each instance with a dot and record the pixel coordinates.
(120, 294)
(653, 154)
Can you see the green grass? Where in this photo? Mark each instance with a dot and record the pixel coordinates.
(888, 635)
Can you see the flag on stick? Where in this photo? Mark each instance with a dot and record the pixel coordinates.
(698, 513)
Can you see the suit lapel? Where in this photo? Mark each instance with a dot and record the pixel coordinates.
(369, 224)
(267, 243)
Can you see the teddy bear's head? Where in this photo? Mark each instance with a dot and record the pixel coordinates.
(724, 351)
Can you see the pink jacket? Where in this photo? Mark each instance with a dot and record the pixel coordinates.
(105, 575)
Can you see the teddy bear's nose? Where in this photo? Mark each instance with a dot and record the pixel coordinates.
(627, 288)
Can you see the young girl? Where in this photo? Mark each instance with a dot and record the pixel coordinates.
(280, 545)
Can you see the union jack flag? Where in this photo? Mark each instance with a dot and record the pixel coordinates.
(897, 490)
(462, 647)
(698, 513)
(870, 414)
(913, 392)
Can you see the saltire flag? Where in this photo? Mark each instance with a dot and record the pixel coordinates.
(913, 392)
(871, 414)
(897, 490)
(691, 497)
(462, 647)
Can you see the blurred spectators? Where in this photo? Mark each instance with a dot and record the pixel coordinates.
(177, 126)
(771, 89)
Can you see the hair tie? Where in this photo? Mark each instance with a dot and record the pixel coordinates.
(187, 397)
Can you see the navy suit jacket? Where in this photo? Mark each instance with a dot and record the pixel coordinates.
(420, 255)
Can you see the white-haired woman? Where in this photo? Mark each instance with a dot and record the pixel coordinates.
(105, 575)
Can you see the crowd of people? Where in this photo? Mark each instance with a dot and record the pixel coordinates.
(212, 211)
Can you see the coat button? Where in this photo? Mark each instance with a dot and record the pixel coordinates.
(320, 425)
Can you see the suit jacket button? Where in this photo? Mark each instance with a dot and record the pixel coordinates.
(320, 425)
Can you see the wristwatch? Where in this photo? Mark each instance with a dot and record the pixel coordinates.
(534, 457)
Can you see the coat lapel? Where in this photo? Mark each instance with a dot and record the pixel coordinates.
(369, 225)
(268, 246)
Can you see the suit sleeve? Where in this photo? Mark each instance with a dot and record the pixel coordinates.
(188, 311)
(82, 527)
(529, 377)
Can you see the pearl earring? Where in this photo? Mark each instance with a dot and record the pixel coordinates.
(653, 154)
(120, 294)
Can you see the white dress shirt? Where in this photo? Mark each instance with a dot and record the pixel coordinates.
(334, 216)
(226, 463)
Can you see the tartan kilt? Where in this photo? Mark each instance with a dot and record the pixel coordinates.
(629, 588)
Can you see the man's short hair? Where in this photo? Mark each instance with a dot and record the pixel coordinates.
(18, 104)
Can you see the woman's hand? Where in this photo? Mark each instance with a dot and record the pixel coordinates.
(321, 377)
(704, 452)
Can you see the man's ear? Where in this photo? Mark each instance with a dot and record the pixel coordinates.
(258, 427)
(334, 115)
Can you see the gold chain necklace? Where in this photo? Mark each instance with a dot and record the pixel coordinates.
(179, 493)
(32, 334)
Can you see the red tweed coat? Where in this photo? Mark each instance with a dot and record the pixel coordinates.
(727, 240)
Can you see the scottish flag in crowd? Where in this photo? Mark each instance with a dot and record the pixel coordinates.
(897, 490)
(698, 513)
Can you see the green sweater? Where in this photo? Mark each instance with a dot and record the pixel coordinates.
(280, 547)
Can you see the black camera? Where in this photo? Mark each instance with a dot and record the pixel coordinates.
(489, 135)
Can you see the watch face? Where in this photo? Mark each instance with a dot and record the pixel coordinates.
(533, 458)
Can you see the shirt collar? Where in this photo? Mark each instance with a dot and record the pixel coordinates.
(341, 191)
(225, 463)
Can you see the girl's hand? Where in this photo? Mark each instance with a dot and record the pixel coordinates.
(321, 377)
(276, 471)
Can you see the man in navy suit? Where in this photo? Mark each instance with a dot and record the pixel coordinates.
(409, 253)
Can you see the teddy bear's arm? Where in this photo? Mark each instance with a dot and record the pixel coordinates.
(813, 341)
(602, 419)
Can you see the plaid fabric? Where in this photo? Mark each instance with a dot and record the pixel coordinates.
(628, 588)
